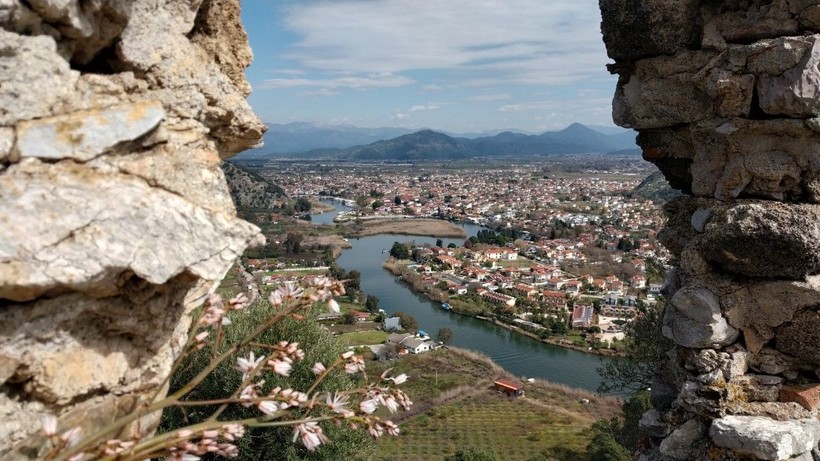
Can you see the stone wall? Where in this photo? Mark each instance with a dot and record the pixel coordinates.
(115, 219)
(724, 96)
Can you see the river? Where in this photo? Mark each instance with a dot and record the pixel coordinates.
(518, 354)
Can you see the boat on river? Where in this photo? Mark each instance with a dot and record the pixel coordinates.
(446, 306)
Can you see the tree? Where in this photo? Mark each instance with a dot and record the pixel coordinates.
(439, 243)
(293, 243)
(442, 285)
(362, 201)
(451, 245)
(635, 372)
(377, 204)
(302, 205)
(397, 200)
(354, 280)
(371, 303)
(444, 335)
(408, 322)
(559, 327)
(613, 440)
(604, 447)
(400, 251)
(349, 318)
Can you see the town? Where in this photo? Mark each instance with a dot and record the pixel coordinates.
(570, 262)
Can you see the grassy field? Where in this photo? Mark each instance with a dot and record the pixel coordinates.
(520, 263)
(363, 338)
(455, 407)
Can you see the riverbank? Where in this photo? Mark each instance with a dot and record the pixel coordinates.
(414, 281)
(410, 226)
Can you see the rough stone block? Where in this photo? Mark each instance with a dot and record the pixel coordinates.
(635, 29)
(85, 134)
(680, 443)
(806, 395)
(693, 319)
(765, 438)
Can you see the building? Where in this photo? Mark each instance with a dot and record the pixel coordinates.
(398, 338)
(392, 324)
(582, 316)
(497, 298)
(417, 346)
(509, 387)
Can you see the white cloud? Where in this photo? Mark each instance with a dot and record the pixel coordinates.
(420, 108)
(322, 92)
(490, 97)
(400, 116)
(372, 80)
(432, 88)
(488, 42)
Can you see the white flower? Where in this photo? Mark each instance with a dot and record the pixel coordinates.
(281, 367)
(49, 424)
(238, 302)
(391, 403)
(376, 430)
(338, 403)
(368, 406)
(333, 305)
(276, 298)
(318, 368)
(181, 455)
(72, 437)
(311, 435)
(290, 290)
(268, 407)
(355, 365)
(248, 365)
(391, 427)
(249, 393)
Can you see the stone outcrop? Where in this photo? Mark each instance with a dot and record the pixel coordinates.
(725, 97)
(115, 218)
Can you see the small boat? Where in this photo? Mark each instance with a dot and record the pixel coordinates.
(445, 306)
(384, 251)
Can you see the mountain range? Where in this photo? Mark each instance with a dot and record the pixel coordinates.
(284, 140)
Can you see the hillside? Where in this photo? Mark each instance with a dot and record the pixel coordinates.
(655, 187)
(251, 191)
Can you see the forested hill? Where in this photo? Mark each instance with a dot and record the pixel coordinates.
(250, 190)
(655, 187)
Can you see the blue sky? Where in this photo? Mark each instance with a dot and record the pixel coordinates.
(454, 65)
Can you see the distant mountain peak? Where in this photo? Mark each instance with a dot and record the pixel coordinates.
(310, 140)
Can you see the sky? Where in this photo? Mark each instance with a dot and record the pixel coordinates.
(464, 66)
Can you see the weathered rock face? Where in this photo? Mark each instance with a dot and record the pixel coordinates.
(726, 99)
(115, 219)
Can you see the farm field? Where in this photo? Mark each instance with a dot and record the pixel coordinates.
(363, 338)
(456, 408)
